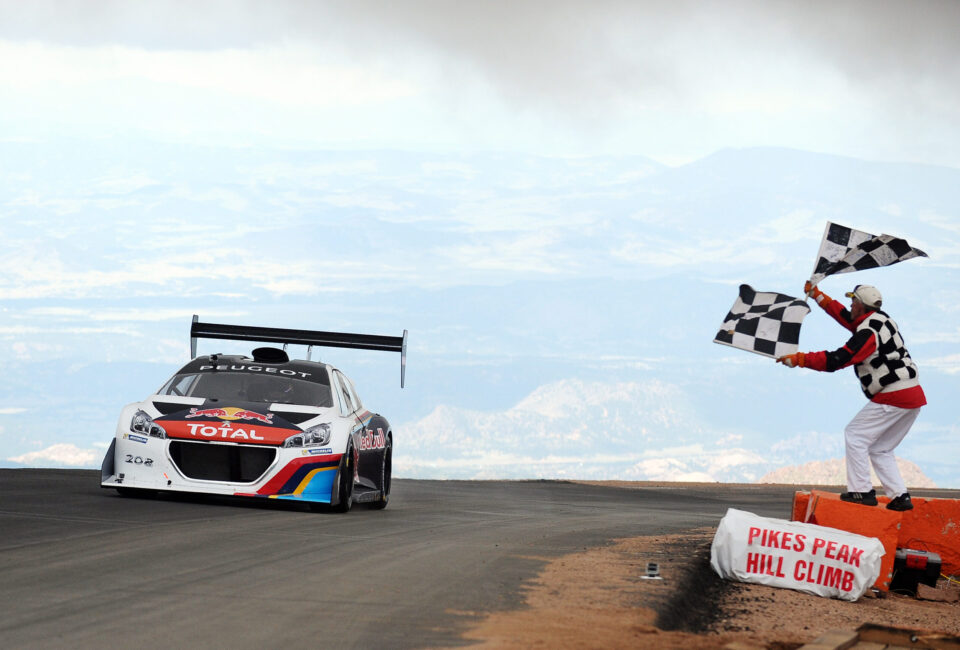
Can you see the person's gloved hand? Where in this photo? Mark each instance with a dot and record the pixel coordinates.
(794, 360)
(815, 293)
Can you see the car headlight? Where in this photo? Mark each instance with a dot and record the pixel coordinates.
(315, 436)
(143, 423)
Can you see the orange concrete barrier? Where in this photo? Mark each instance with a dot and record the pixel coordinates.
(800, 500)
(933, 524)
(826, 509)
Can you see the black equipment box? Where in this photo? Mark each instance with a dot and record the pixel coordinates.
(912, 567)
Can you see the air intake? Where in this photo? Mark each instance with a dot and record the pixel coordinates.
(270, 355)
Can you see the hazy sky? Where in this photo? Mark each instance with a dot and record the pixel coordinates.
(368, 171)
(672, 80)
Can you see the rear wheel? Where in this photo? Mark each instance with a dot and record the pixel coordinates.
(346, 481)
(386, 469)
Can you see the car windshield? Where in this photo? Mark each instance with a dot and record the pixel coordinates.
(246, 387)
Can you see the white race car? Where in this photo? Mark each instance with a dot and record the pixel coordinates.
(261, 426)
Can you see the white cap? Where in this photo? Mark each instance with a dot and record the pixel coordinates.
(866, 294)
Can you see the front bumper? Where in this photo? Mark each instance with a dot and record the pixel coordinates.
(141, 462)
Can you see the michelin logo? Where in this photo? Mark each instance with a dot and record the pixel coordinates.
(135, 438)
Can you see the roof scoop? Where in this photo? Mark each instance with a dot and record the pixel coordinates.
(270, 355)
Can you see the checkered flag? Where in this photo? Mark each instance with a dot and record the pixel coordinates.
(763, 322)
(844, 250)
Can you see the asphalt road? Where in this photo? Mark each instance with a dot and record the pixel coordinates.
(84, 567)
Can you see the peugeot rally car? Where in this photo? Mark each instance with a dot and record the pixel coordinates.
(260, 426)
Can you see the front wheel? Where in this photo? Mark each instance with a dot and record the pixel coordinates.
(136, 493)
(386, 469)
(346, 481)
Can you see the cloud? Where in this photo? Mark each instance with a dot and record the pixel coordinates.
(117, 314)
(949, 364)
(35, 271)
(938, 337)
(808, 445)
(681, 78)
(667, 469)
(279, 75)
(287, 94)
(24, 351)
(705, 252)
(529, 253)
(796, 226)
(63, 454)
(749, 70)
(731, 438)
(579, 53)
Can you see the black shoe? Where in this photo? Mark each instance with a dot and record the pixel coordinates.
(863, 498)
(901, 503)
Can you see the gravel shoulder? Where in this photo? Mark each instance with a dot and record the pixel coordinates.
(598, 598)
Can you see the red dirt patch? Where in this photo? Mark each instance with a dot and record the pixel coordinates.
(597, 598)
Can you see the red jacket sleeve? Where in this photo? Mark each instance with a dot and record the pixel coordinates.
(840, 314)
(857, 348)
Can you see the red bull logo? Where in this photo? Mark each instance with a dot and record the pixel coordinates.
(371, 440)
(231, 413)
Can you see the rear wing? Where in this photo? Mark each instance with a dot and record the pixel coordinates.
(309, 338)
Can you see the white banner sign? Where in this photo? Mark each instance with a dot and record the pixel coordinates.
(806, 557)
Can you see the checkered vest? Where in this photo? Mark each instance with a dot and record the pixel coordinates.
(890, 367)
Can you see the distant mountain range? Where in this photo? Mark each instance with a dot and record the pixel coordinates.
(561, 311)
(609, 431)
(575, 429)
(834, 472)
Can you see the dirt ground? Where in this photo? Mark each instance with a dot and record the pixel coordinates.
(598, 599)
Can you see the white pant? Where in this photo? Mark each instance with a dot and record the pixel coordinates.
(872, 435)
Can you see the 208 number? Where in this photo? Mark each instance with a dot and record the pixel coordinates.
(139, 460)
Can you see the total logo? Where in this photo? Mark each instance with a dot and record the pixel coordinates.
(222, 432)
(230, 413)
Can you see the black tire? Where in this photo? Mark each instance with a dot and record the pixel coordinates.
(136, 493)
(345, 476)
(386, 471)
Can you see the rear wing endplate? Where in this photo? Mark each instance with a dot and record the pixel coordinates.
(200, 330)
